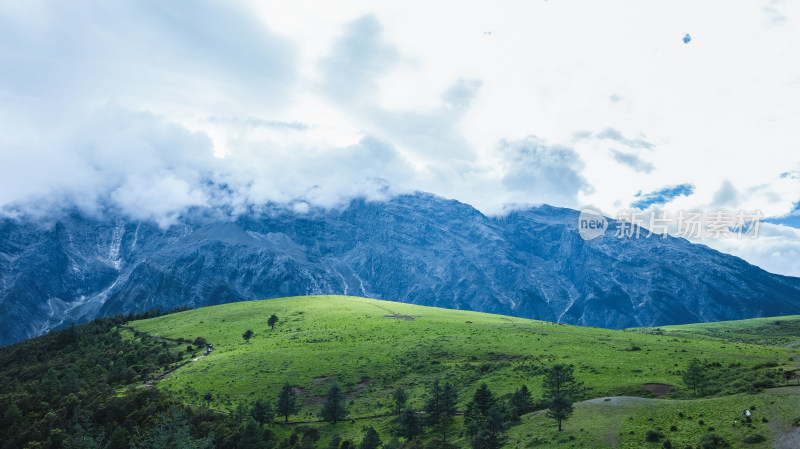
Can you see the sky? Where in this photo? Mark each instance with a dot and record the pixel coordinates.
(149, 108)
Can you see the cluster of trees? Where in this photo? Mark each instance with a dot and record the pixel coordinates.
(271, 322)
(63, 388)
(486, 417)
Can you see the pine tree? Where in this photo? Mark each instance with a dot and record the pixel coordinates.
(49, 386)
(560, 409)
(72, 382)
(12, 415)
(400, 397)
(371, 440)
(409, 424)
(484, 399)
(694, 377)
(433, 407)
(273, 320)
(473, 421)
(560, 389)
(286, 402)
(335, 442)
(262, 412)
(442, 407)
(333, 411)
(239, 413)
(491, 435)
(118, 438)
(250, 436)
(560, 381)
(521, 402)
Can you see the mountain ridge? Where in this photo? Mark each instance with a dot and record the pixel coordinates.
(417, 248)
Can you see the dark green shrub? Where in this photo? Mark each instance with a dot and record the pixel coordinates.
(653, 436)
(755, 438)
(712, 441)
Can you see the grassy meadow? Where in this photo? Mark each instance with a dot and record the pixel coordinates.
(370, 347)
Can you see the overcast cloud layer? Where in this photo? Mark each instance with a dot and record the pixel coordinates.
(149, 108)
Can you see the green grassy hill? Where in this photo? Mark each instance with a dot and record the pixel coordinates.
(371, 347)
(779, 331)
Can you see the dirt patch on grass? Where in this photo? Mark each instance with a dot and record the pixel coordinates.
(319, 379)
(400, 317)
(660, 390)
(298, 390)
(364, 383)
(359, 387)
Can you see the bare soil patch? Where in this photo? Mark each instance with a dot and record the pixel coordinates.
(660, 390)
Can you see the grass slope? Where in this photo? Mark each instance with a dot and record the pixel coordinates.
(371, 347)
(780, 331)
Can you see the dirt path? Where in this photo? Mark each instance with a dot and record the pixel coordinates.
(788, 440)
(151, 382)
(619, 400)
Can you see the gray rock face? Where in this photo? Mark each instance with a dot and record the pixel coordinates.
(417, 248)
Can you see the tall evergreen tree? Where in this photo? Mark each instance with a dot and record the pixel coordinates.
(333, 411)
(400, 397)
(273, 320)
(521, 402)
(442, 407)
(491, 435)
(560, 381)
(694, 377)
(12, 415)
(484, 399)
(262, 412)
(286, 402)
(561, 389)
(409, 426)
(239, 413)
(49, 386)
(371, 440)
(560, 409)
(250, 436)
(335, 442)
(118, 438)
(477, 409)
(473, 421)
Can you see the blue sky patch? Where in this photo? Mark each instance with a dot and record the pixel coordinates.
(662, 196)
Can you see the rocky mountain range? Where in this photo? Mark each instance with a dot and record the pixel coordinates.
(418, 248)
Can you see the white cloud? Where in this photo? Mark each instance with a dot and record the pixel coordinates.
(241, 103)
